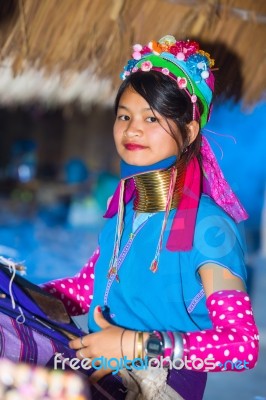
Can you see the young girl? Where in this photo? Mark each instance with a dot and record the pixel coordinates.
(168, 277)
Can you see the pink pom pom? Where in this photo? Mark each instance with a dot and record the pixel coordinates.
(194, 98)
(136, 55)
(137, 47)
(180, 56)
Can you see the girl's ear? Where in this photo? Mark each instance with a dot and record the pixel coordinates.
(193, 130)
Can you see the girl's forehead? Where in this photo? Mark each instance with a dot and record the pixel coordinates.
(130, 96)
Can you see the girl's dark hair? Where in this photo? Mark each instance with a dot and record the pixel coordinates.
(164, 96)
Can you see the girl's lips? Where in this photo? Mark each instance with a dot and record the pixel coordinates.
(134, 146)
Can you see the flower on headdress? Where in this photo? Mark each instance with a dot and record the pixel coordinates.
(211, 61)
(183, 49)
(165, 71)
(155, 47)
(145, 50)
(182, 82)
(146, 66)
(198, 65)
(168, 40)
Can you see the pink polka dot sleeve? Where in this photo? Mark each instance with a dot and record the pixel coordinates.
(233, 342)
(76, 292)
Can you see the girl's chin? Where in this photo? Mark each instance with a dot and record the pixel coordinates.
(140, 162)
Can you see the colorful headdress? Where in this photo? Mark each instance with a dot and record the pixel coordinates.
(182, 61)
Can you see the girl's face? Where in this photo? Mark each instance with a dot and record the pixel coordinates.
(142, 137)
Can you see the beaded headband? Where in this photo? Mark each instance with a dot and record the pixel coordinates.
(183, 62)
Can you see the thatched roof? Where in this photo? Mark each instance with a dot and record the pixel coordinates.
(65, 50)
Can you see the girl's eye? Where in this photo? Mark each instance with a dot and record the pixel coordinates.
(123, 117)
(152, 119)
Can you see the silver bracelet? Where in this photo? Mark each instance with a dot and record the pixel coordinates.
(179, 347)
(166, 342)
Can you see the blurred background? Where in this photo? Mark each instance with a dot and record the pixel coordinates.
(59, 70)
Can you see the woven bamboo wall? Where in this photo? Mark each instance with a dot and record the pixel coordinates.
(62, 38)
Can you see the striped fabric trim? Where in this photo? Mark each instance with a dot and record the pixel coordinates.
(195, 300)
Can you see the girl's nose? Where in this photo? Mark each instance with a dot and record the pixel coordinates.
(132, 131)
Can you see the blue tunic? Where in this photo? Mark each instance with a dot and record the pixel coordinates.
(173, 297)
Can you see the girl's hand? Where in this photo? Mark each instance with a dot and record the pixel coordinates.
(105, 343)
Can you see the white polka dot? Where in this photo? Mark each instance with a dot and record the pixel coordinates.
(90, 296)
(209, 346)
(220, 292)
(231, 337)
(83, 310)
(218, 330)
(245, 338)
(70, 290)
(239, 303)
(199, 338)
(235, 359)
(226, 352)
(217, 347)
(240, 315)
(78, 298)
(97, 251)
(210, 355)
(253, 345)
(63, 285)
(213, 313)
(230, 308)
(192, 348)
(52, 283)
(78, 275)
(188, 333)
(220, 302)
(91, 264)
(215, 337)
(84, 275)
(250, 357)
(218, 363)
(233, 329)
(212, 302)
(246, 298)
(241, 349)
(86, 287)
(202, 348)
(78, 287)
(193, 356)
(222, 316)
(92, 276)
(248, 312)
(82, 298)
(231, 321)
(202, 331)
(70, 280)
